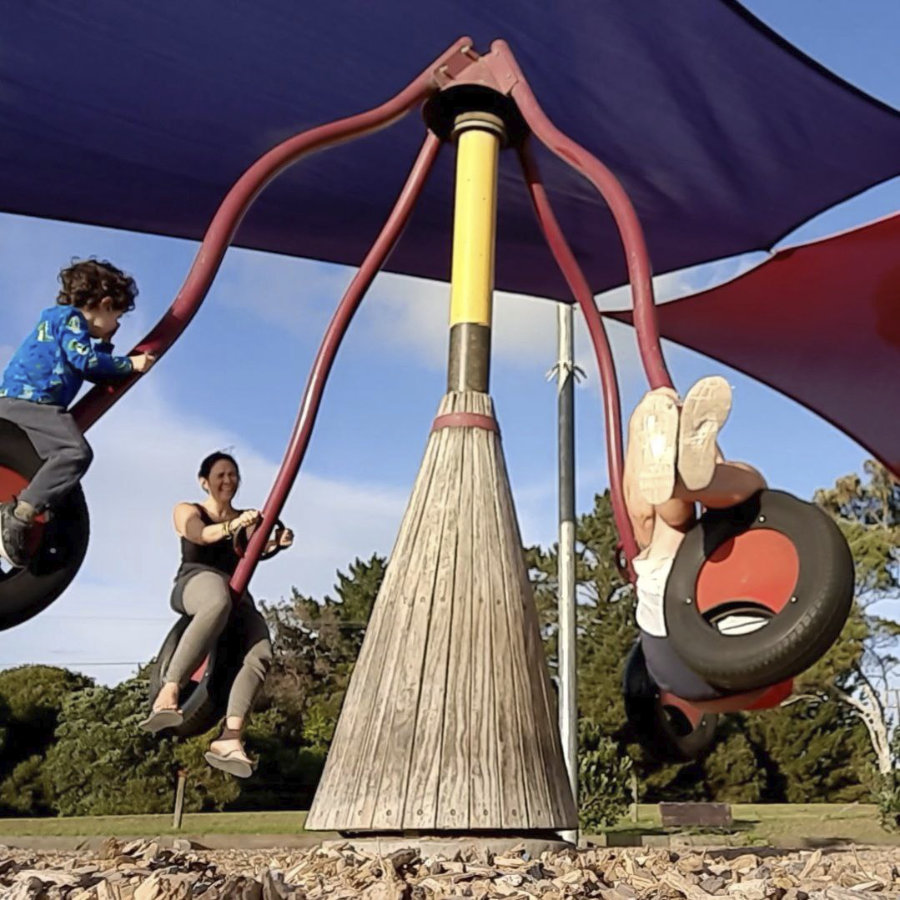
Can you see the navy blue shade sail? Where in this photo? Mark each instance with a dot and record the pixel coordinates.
(142, 115)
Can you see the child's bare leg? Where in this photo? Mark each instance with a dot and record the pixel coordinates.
(678, 513)
(640, 512)
(732, 483)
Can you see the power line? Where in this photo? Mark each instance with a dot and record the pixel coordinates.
(61, 664)
(113, 618)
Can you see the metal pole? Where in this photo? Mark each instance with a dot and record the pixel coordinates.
(478, 139)
(179, 799)
(568, 699)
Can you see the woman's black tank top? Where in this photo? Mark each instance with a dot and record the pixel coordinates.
(219, 556)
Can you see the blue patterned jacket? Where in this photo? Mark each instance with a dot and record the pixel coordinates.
(55, 359)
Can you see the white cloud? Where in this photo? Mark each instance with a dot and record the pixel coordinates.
(412, 314)
(293, 294)
(681, 283)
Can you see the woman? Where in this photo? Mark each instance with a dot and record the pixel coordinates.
(201, 591)
(671, 465)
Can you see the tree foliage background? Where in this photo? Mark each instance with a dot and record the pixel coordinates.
(72, 747)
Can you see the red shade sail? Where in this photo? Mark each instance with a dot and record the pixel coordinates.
(819, 322)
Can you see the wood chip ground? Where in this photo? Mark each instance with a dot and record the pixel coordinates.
(145, 870)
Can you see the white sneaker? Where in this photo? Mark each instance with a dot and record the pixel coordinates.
(657, 436)
(704, 411)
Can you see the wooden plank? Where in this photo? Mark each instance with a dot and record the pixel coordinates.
(560, 810)
(715, 815)
(485, 774)
(335, 805)
(530, 722)
(378, 749)
(420, 811)
(395, 746)
(513, 794)
(449, 722)
(453, 798)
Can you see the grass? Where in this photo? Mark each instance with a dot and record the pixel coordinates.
(141, 826)
(785, 823)
(758, 824)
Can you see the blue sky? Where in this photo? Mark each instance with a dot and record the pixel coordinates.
(235, 379)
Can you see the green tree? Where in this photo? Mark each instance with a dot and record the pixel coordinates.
(34, 696)
(868, 513)
(731, 771)
(31, 698)
(604, 617)
(811, 753)
(103, 764)
(603, 779)
(316, 645)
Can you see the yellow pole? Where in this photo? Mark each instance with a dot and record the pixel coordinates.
(474, 232)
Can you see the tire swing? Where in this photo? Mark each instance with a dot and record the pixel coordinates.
(668, 728)
(203, 700)
(57, 543)
(759, 591)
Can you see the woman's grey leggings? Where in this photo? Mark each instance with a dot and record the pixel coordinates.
(206, 598)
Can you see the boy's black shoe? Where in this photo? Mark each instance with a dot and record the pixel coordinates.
(13, 536)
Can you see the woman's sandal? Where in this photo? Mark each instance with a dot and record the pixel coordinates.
(235, 762)
(160, 719)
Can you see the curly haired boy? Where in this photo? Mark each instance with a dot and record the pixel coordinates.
(45, 374)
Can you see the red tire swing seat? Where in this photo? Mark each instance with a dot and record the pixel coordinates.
(669, 728)
(204, 698)
(758, 593)
(57, 544)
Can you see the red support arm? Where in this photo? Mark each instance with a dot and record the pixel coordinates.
(234, 206)
(638, 262)
(335, 332)
(574, 276)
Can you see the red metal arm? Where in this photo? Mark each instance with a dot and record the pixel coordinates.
(234, 206)
(574, 276)
(639, 272)
(312, 396)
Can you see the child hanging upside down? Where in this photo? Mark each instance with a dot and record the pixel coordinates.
(672, 464)
(45, 374)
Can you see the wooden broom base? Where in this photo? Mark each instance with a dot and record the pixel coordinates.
(449, 723)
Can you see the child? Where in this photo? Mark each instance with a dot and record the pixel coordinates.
(672, 464)
(45, 374)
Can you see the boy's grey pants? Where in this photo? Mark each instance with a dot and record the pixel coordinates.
(58, 441)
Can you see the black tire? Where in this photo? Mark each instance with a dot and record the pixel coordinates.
(792, 639)
(203, 702)
(58, 556)
(663, 731)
